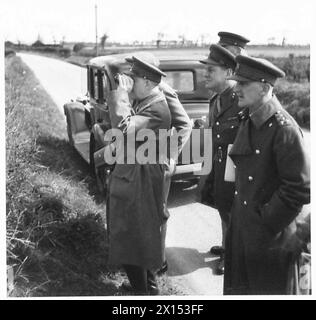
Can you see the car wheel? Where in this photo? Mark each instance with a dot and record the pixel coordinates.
(91, 154)
(101, 174)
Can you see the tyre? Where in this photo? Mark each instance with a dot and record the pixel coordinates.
(91, 154)
(102, 173)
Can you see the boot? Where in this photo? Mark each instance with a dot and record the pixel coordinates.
(221, 265)
(152, 285)
(217, 250)
(137, 277)
(163, 269)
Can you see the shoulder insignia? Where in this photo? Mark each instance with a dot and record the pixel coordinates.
(281, 118)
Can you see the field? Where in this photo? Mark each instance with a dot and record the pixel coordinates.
(56, 235)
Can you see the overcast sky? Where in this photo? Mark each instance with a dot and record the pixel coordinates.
(128, 20)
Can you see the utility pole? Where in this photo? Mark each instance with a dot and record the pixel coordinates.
(96, 30)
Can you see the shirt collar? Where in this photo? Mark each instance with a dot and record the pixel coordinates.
(265, 112)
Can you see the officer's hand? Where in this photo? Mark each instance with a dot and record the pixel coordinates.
(170, 168)
(289, 242)
(125, 82)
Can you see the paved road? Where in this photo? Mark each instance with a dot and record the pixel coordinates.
(63, 81)
(192, 229)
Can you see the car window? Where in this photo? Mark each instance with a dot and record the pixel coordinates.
(95, 84)
(181, 81)
(104, 84)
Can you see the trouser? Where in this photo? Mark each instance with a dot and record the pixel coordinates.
(224, 220)
(167, 183)
(142, 281)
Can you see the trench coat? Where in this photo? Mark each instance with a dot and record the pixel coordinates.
(272, 184)
(135, 200)
(216, 192)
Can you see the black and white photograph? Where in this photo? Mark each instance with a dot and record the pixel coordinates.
(156, 149)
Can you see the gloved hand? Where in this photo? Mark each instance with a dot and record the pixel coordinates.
(125, 82)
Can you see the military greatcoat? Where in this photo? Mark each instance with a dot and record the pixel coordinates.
(136, 196)
(272, 184)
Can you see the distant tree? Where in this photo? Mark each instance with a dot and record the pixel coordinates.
(78, 46)
(9, 44)
(38, 43)
(182, 39)
(62, 42)
(160, 36)
(283, 42)
(103, 40)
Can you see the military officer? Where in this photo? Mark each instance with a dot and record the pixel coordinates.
(224, 123)
(181, 123)
(136, 195)
(272, 184)
(233, 42)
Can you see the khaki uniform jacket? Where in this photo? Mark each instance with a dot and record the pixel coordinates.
(217, 192)
(135, 202)
(272, 185)
(180, 120)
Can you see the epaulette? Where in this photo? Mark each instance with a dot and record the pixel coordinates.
(282, 118)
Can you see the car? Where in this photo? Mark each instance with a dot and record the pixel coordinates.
(87, 117)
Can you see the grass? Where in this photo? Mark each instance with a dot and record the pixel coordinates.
(56, 233)
(295, 97)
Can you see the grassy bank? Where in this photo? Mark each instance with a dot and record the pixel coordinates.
(56, 234)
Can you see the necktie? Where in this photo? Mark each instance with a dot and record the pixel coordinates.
(217, 108)
(214, 110)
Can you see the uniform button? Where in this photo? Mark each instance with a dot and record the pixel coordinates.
(257, 151)
(219, 148)
(270, 124)
(245, 203)
(219, 160)
(250, 178)
(235, 167)
(236, 193)
(218, 136)
(217, 123)
(232, 127)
